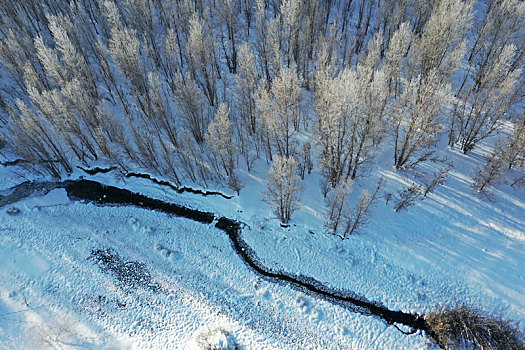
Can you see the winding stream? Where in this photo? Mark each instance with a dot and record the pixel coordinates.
(101, 194)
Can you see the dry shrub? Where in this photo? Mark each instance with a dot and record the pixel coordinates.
(216, 339)
(463, 327)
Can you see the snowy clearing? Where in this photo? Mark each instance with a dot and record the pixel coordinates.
(194, 286)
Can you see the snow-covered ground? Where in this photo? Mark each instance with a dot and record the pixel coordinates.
(57, 291)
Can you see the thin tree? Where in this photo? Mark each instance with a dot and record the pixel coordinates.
(281, 108)
(491, 82)
(283, 188)
(219, 139)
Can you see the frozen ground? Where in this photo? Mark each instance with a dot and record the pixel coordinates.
(75, 275)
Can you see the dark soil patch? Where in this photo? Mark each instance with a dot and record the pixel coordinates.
(129, 274)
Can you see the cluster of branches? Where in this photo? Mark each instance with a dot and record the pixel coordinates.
(465, 327)
(192, 90)
(343, 218)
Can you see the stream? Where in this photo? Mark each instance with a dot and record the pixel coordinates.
(100, 194)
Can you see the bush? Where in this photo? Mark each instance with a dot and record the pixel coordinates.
(463, 327)
(216, 339)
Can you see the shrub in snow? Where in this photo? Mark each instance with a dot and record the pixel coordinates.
(316, 315)
(463, 327)
(216, 339)
(263, 293)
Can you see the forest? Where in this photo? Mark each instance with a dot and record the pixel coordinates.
(262, 172)
(193, 91)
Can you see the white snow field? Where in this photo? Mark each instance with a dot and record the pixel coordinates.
(76, 275)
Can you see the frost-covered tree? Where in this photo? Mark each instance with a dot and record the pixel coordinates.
(16, 50)
(262, 45)
(280, 107)
(395, 56)
(69, 102)
(192, 111)
(290, 16)
(368, 101)
(422, 88)
(494, 76)
(331, 107)
(417, 119)
(283, 188)
(201, 49)
(228, 15)
(479, 115)
(32, 139)
(441, 45)
(125, 49)
(350, 109)
(219, 139)
(247, 125)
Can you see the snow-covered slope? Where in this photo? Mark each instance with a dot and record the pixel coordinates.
(78, 275)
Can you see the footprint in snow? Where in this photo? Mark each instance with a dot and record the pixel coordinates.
(167, 252)
(134, 223)
(316, 315)
(148, 230)
(341, 329)
(302, 303)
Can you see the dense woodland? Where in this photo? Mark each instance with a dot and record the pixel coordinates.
(194, 90)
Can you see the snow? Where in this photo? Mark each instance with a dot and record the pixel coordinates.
(451, 246)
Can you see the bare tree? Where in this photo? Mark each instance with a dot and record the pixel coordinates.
(407, 197)
(491, 83)
(219, 139)
(424, 92)
(201, 49)
(336, 205)
(280, 108)
(360, 215)
(505, 164)
(283, 188)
